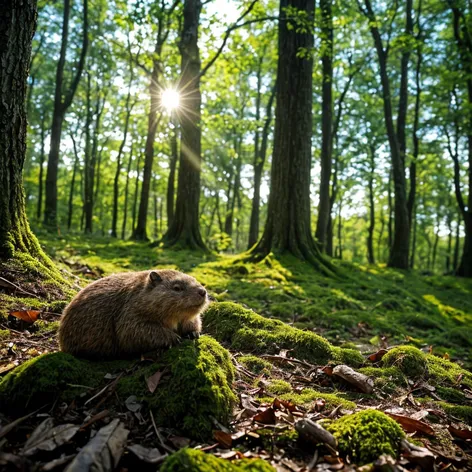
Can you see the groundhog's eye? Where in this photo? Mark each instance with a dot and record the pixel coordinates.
(177, 288)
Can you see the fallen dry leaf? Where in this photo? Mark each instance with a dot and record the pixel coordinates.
(153, 381)
(29, 316)
(410, 425)
(283, 405)
(47, 437)
(103, 451)
(224, 439)
(460, 433)
(377, 356)
(266, 417)
(150, 456)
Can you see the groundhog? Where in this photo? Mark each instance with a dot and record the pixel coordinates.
(132, 313)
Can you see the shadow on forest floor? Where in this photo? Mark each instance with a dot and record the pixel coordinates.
(368, 306)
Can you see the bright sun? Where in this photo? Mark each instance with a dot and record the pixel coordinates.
(170, 99)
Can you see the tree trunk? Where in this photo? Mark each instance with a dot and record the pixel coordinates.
(17, 26)
(89, 169)
(172, 170)
(185, 228)
(72, 183)
(399, 251)
(288, 226)
(42, 156)
(62, 101)
(370, 238)
(413, 244)
(326, 122)
(457, 245)
(125, 210)
(136, 191)
(114, 223)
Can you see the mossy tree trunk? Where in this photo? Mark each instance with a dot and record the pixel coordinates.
(288, 225)
(17, 27)
(185, 228)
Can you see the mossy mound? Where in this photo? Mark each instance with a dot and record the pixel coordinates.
(248, 331)
(410, 360)
(387, 379)
(348, 356)
(192, 460)
(196, 387)
(445, 372)
(279, 387)
(308, 396)
(366, 435)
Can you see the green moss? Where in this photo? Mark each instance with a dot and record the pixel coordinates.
(462, 412)
(4, 333)
(410, 360)
(351, 357)
(451, 395)
(366, 435)
(196, 387)
(256, 364)
(445, 372)
(45, 379)
(198, 461)
(388, 379)
(247, 331)
(308, 396)
(279, 387)
(46, 327)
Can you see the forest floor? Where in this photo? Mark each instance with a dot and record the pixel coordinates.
(366, 308)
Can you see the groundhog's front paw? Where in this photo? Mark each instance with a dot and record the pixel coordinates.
(171, 339)
(192, 335)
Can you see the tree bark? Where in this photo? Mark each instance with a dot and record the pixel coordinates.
(370, 237)
(62, 101)
(136, 191)
(326, 122)
(125, 210)
(172, 170)
(288, 225)
(399, 251)
(17, 26)
(42, 156)
(185, 228)
(72, 183)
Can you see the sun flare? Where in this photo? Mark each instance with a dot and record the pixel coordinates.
(170, 99)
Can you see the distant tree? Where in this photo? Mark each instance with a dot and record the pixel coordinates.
(288, 227)
(62, 101)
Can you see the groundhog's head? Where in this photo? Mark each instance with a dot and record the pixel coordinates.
(178, 294)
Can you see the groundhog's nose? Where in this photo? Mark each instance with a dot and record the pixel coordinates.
(202, 292)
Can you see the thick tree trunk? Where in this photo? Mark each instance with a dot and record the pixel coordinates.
(125, 210)
(185, 228)
(326, 122)
(17, 26)
(62, 101)
(288, 226)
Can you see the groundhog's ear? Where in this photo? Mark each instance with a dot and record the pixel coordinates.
(155, 277)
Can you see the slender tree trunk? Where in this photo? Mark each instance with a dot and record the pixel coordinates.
(128, 107)
(340, 231)
(42, 157)
(62, 101)
(457, 245)
(370, 238)
(390, 211)
(172, 170)
(89, 167)
(72, 183)
(136, 190)
(125, 210)
(288, 226)
(413, 244)
(185, 228)
(326, 122)
(399, 251)
(381, 232)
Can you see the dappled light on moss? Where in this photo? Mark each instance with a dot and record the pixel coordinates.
(410, 360)
(366, 435)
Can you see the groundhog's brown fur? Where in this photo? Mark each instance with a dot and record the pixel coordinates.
(132, 313)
